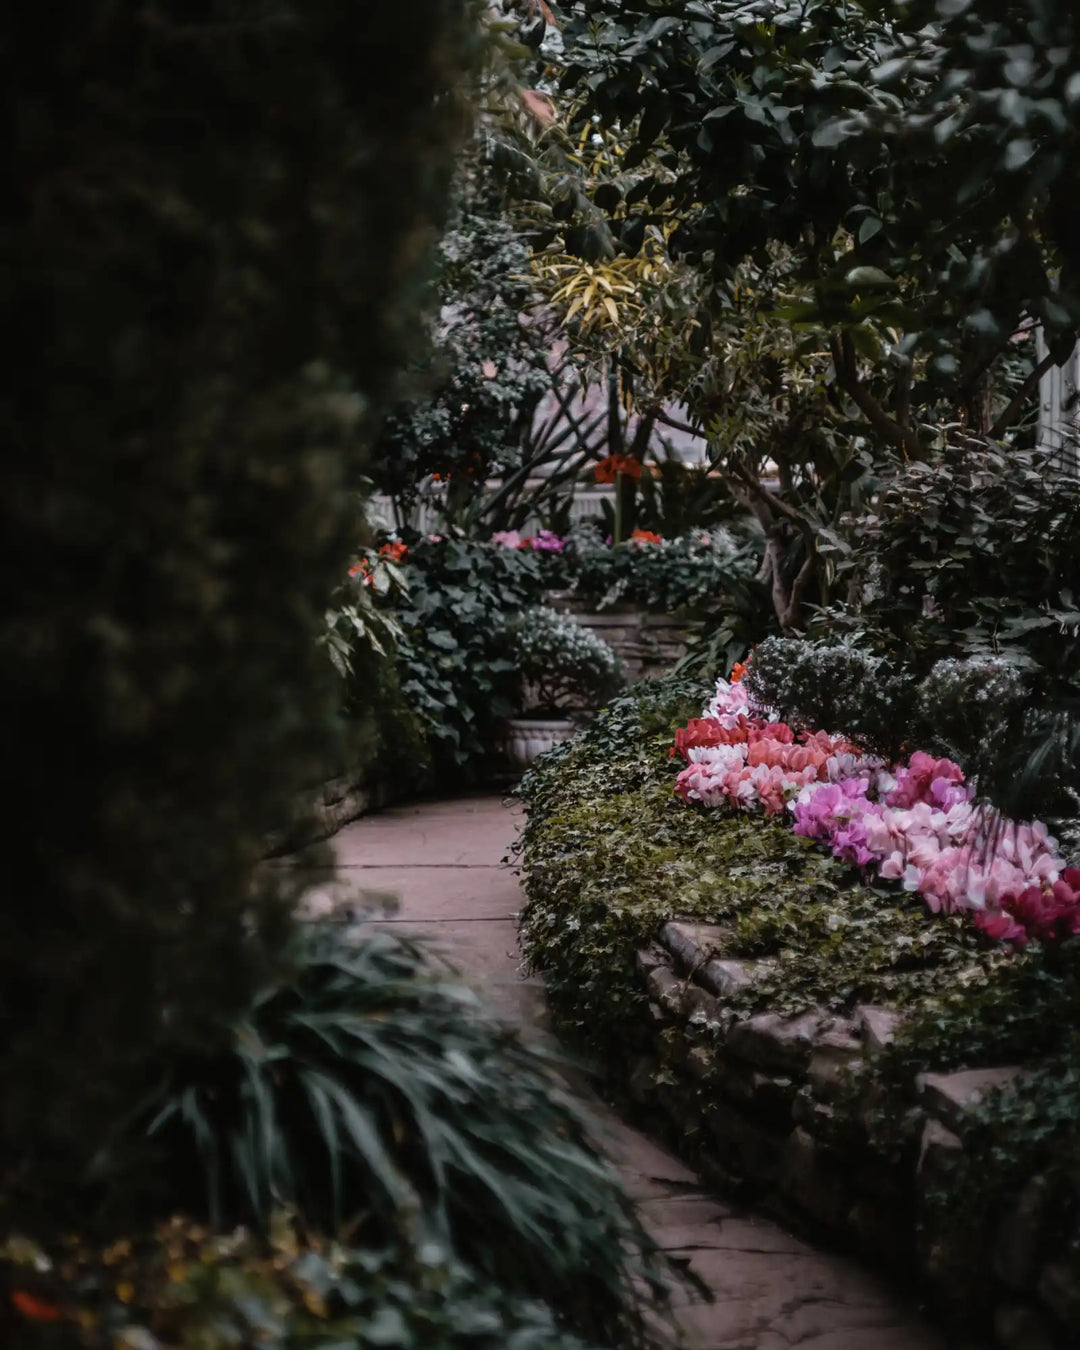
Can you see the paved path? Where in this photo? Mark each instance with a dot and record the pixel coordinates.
(773, 1292)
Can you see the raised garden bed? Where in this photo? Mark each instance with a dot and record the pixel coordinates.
(647, 644)
(893, 1081)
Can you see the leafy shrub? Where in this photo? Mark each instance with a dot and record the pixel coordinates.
(469, 401)
(960, 594)
(215, 235)
(562, 663)
(835, 686)
(383, 739)
(186, 1286)
(455, 670)
(370, 1090)
(691, 572)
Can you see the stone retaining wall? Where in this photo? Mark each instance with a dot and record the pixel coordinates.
(646, 644)
(319, 814)
(766, 1104)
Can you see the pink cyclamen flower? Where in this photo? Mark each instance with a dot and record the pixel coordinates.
(547, 541)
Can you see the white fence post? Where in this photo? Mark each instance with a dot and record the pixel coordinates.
(1059, 409)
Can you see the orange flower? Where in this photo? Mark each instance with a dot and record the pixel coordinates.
(606, 470)
(646, 537)
(32, 1306)
(396, 552)
(360, 569)
(738, 670)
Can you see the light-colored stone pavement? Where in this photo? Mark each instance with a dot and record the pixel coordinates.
(443, 863)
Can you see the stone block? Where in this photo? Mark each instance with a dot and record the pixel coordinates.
(691, 943)
(665, 988)
(808, 1181)
(834, 1053)
(699, 1007)
(649, 958)
(774, 1042)
(882, 1230)
(701, 1064)
(950, 1096)
(813, 1115)
(642, 1079)
(725, 978)
(939, 1151)
(1059, 1289)
(744, 1148)
(758, 1094)
(1018, 1242)
(1024, 1326)
(877, 1025)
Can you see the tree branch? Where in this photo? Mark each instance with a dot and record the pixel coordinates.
(1020, 398)
(903, 394)
(847, 377)
(676, 424)
(770, 499)
(798, 588)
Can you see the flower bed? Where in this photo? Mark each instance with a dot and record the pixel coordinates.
(916, 822)
(805, 1028)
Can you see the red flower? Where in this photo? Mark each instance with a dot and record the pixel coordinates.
(606, 470)
(396, 552)
(738, 670)
(706, 731)
(32, 1306)
(646, 537)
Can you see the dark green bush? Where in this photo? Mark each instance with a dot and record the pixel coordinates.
(960, 629)
(369, 1090)
(469, 399)
(455, 670)
(185, 1286)
(691, 572)
(216, 220)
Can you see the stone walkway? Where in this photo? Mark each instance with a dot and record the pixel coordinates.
(443, 862)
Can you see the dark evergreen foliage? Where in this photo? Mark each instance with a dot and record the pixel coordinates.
(216, 220)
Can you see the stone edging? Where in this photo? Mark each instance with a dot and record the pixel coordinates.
(323, 812)
(753, 1102)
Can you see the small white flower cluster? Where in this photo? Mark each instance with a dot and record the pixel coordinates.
(549, 643)
(986, 684)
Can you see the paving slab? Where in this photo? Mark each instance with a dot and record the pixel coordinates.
(429, 896)
(468, 833)
(772, 1291)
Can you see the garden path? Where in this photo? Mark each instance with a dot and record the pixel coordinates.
(443, 862)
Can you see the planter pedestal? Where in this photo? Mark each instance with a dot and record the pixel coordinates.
(528, 737)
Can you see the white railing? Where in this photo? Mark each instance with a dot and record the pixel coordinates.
(425, 517)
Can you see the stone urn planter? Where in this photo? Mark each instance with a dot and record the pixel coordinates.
(528, 737)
